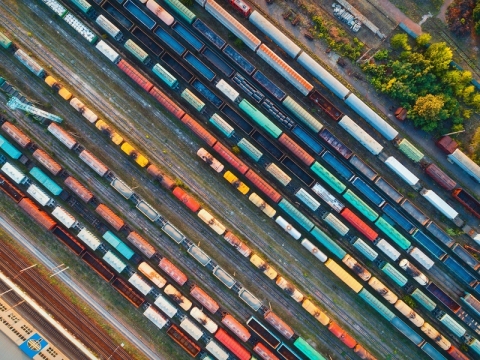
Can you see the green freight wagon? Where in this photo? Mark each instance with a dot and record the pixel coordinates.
(394, 274)
(222, 125)
(165, 76)
(392, 233)
(137, 51)
(43, 179)
(260, 119)
(193, 100)
(9, 149)
(84, 6)
(410, 151)
(360, 205)
(327, 177)
(307, 350)
(376, 305)
(296, 215)
(325, 240)
(5, 42)
(181, 10)
(118, 244)
(247, 147)
(424, 300)
(302, 114)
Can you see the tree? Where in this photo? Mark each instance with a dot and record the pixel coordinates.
(440, 56)
(460, 17)
(400, 41)
(424, 39)
(428, 112)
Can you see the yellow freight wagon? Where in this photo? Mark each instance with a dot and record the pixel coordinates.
(316, 312)
(240, 186)
(52, 82)
(139, 158)
(262, 265)
(114, 136)
(65, 94)
(344, 276)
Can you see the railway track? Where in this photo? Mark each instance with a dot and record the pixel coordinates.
(59, 306)
(312, 264)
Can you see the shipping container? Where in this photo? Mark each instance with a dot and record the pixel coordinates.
(210, 160)
(108, 52)
(62, 135)
(224, 127)
(368, 192)
(322, 102)
(288, 227)
(410, 151)
(177, 297)
(440, 295)
(399, 219)
(398, 168)
(139, 14)
(268, 85)
(394, 274)
(207, 93)
(413, 271)
(181, 10)
(209, 34)
(227, 20)
(236, 327)
(335, 143)
(260, 119)
(248, 148)
(388, 249)
(365, 249)
(41, 217)
(167, 103)
(467, 200)
(393, 234)
(439, 203)
(460, 271)
(360, 205)
(302, 114)
(160, 12)
(327, 177)
(389, 190)
(16, 134)
(357, 268)
(198, 129)
(47, 161)
(466, 164)
(29, 63)
(327, 197)
(361, 135)
(170, 41)
(208, 219)
(336, 224)
(43, 179)
(344, 276)
(172, 271)
(376, 304)
(440, 177)
(338, 166)
(263, 186)
(203, 298)
(152, 275)
(385, 292)
(359, 224)
(109, 27)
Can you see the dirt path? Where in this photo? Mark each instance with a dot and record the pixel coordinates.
(443, 10)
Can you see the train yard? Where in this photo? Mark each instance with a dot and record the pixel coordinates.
(318, 223)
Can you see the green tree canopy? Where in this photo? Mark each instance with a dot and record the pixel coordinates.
(440, 56)
(428, 111)
(400, 41)
(424, 39)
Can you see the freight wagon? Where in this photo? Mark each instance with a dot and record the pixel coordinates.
(188, 37)
(209, 34)
(319, 100)
(336, 144)
(207, 93)
(467, 200)
(109, 28)
(199, 66)
(117, 15)
(160, 12)
(218, 62)
(169, 41)
(139, 14)
(146, 40)
(338, 166)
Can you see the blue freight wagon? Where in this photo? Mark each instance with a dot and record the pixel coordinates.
(337, 165)
(207, 93)
(218, 62)
(199, 66)
(188, 36)
(237, 119)
(460, 271)
(169, 41)
(209, 34)
(429, 244)
(368, 192)
(398, 218)
(238, 59)
(139, 14)
(308, 140)
(268, 85)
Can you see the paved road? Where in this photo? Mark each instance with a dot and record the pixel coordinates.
(77, 288)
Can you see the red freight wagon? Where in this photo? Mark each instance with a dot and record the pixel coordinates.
(238, 244)
(135, 75)
(183, 340)
(130, 294)
(344, 337)
(165, 181)
(98, 266)
(230, 158)
(440, 177)
(189, 201)
(36, 214)
(81, 191)
(447, 144)
(168, 103)
(11, 190)
(110, 217)
(359, 224)
(264, 352)
(296, 149)
(204, 299)
(47, 161)
(199, 130)
(16, 134)
(231, 344)
(242, 7)
(172, 271)
(141, 244)
(468, 201)
(236, 327)
(68, 240)
(263, 186)
(325, 105)
(278, 324)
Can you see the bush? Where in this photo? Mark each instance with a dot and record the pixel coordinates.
(381, 55)
(239, 44)
(235, 149)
